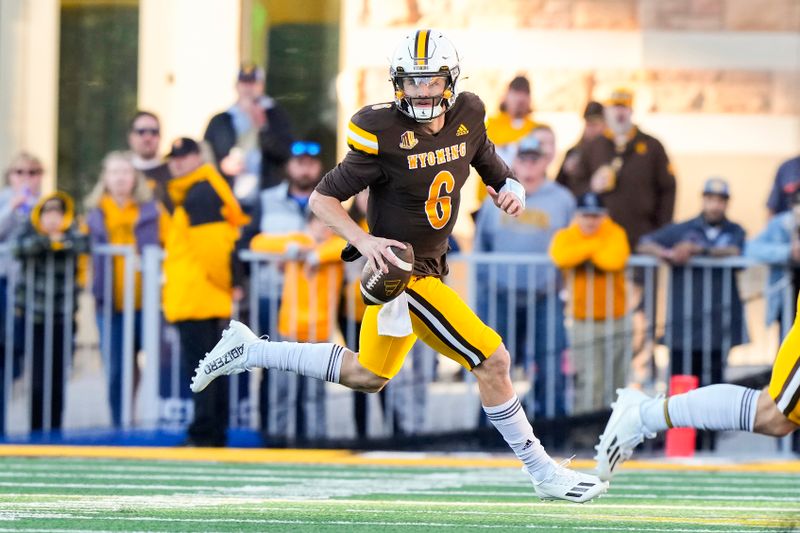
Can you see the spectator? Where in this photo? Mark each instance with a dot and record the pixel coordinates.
(787, 181)
(314, 274)
(779, 246)
(120, 211)
(593, 251)
(630, 170)
(144, 138)
(549, 207)
(198, 290)
(594, 125)
(282, 210)
(51, 250)
(715, 322)
(252, 138)
(511, 124)
(23, 182)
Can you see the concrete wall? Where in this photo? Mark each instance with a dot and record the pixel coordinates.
(29, 36)
(188, 61)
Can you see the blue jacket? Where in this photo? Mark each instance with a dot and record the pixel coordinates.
(727, 326)
(774, 246)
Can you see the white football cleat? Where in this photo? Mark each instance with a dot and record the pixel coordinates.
(624, 432)
(229, 356)
(567, 484)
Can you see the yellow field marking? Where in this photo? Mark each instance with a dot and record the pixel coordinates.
(347, 457)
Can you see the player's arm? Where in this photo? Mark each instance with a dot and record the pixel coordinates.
(376, 249)
(505, 191)
(355, 173)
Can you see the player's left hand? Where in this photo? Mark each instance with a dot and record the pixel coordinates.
(506, 201)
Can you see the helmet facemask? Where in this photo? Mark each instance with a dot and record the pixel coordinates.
(424, 97)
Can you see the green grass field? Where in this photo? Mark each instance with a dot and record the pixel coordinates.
(73, 494)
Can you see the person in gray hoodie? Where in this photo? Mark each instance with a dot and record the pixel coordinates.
(537, 341)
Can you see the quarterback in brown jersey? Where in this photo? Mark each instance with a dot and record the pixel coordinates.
(414, 155)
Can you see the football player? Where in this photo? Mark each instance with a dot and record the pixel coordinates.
(414, 154)
(773, 411)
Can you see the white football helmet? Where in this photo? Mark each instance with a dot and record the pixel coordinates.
(421, 57)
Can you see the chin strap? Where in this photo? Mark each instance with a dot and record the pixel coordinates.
(515, 188)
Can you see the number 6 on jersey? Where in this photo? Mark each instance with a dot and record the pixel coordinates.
(438, 207)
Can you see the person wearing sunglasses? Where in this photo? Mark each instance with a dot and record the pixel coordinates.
(144, 138)
(23, 184)
(21, 190)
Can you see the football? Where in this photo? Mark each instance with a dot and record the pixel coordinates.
(378, 288)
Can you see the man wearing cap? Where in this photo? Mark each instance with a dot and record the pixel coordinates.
(701, 331)
(198, 287)
(281, 211)
(594, 126)
(630, 170)
(549, 207)
(592, 252)
(253, 136)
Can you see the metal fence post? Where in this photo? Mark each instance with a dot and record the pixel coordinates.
(151, 328)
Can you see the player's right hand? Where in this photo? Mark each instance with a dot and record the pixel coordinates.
(376, 250)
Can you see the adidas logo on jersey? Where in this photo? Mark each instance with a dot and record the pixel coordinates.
(462, 130)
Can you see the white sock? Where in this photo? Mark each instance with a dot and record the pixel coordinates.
(510, 420)
(717, 407)
(320, 360)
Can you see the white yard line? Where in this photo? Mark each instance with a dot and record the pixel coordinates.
(402, 524)
(465, 480)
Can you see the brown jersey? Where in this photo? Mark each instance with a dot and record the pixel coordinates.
(414, 177)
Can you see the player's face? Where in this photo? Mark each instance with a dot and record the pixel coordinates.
(426, 88)
(714, 207)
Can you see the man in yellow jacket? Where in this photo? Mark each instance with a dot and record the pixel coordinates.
(593, 251)
(198, 290)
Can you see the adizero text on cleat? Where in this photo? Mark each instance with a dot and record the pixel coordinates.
(229, 356)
